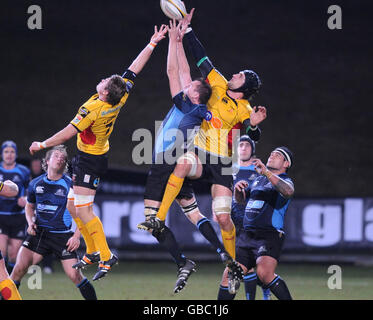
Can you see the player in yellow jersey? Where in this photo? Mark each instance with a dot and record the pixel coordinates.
(8, 289)
(93, 124)
(228, 106)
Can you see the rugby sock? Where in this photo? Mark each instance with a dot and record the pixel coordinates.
(266, 294)
(90, 244)
(167, 239)
(96, 231)
(229, 240)
(250, 281)
(87, 290)
(224, 294)
(173, 188)
(204, 226)
(279, 288)
(9, 290)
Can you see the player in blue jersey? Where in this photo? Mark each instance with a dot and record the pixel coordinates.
(245, 175)
(49, 223)
(8, 290)
(173, 139)
(12, 214)
(260, 243)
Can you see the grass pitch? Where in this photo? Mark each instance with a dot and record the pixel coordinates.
(132, 280)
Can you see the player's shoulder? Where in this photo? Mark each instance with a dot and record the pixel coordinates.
(67, 179)
(92, 104)
(286, 178)
(244, 104)
(37, 180)
(24, 170)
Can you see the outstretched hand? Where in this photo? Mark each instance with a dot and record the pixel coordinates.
(159, 35)
(188, 18)
(258, 115)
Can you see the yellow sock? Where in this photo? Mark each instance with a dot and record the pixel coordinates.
(229, 241)
(89, 243)
(96, 231)
(9, 290)
(173, 188)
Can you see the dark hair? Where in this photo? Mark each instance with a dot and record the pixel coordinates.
(116, 88)
(204, 90)
(61, 148)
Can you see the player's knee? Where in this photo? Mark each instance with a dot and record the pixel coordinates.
(222, 206)
(75, 276)
(186, 166)
(265, 276)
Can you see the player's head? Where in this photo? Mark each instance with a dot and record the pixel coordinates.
(247, 82)
(56, 160)
(246, 148)
(112, 89)
(280, 159)
(198, 91)
(9, 152)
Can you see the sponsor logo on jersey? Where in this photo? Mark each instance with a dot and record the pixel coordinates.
(83, 111)
(216, 123)
(1, 177)
(96, 182)
(77, 119)
(60, 192)
(252, 177)
(225, 100)
(104, 113)
(39, 189)
(16, 178)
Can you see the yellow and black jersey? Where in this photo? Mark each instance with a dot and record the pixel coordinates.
(95, 121)
(225, 113)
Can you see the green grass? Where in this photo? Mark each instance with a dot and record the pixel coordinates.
(155, 280)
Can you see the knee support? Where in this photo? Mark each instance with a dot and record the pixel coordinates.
(83, 200)
(222, 204)
(191, 159)
(150, 212)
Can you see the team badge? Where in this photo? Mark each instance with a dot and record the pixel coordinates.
(83, 111)
(208, 116)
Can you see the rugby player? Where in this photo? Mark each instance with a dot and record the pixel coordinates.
(93, 125)
(185, 117)
(228, 105)
(8, 289)
(245, 175)
(12, 212)
(49, 223)
(260, 243)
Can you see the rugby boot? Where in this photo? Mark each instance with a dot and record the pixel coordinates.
(233, 283)
(88, 259)
(153, 223)
(184, 274)
(232, 265)
(104, 267)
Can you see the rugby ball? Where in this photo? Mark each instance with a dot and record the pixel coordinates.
(174, 9)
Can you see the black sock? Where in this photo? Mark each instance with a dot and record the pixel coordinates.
(250, 281)
(204, 226)
(167, 239)
(87, 290)
(279, 288)
(224, 294)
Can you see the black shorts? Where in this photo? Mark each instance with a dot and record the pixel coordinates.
(88, 169)
(216, 170)
(45, 243)
(14, 225)
(250, 245)
(156, 183)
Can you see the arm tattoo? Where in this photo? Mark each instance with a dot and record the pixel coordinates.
(285, 188)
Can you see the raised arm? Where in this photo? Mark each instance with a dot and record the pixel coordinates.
(184, 69)
(60, 137)
(172, 63)
(194, 45)
(143, 57)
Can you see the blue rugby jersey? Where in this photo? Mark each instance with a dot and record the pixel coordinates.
(266, 207)
(50, 199)
(183, 116)
(238, 210)
(20, 175)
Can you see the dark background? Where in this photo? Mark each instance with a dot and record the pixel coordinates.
(317, 83)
